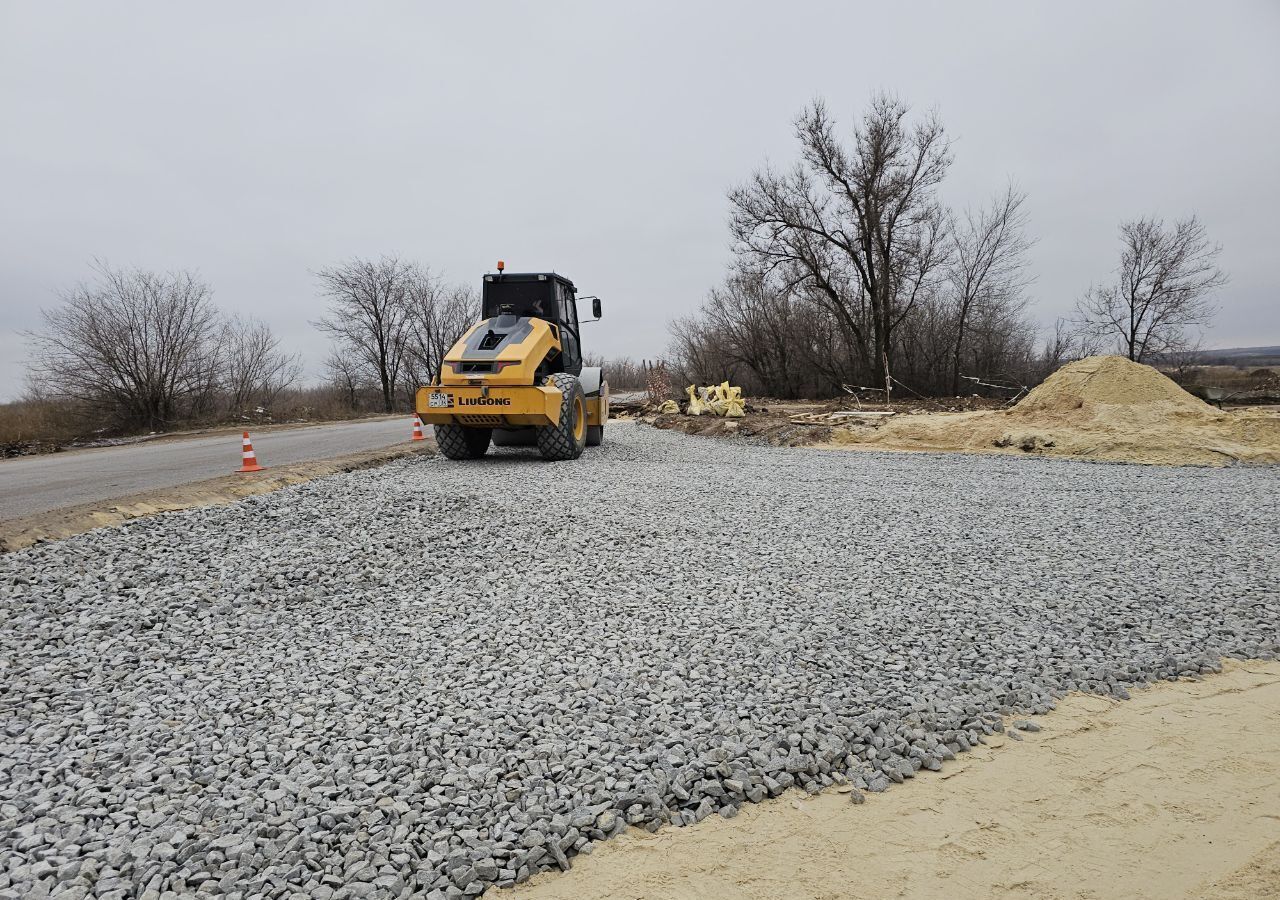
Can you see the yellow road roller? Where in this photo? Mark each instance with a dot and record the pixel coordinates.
(516, 377)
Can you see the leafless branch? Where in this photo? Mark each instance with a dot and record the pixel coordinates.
(138, 346)
(1163, 290)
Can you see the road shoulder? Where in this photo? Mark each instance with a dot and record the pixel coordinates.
(68, 521)
(194, 433)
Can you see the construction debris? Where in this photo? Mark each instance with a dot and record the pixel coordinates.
(717, 400)
(842, 416)
(628, 404)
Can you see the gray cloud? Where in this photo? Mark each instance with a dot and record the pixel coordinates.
(261, 143)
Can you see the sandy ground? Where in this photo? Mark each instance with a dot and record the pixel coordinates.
(1102, 408)
(1175, 793)
(60, 523)
(1212, 439)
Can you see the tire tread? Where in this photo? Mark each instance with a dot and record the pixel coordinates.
(555, 442)
(461, 442)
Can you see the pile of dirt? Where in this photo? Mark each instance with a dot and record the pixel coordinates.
(1103, 408)
(1100, 387)
(758, 425)
(792, 423)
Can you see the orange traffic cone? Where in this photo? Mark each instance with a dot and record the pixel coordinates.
(249, 459)
(417, 429)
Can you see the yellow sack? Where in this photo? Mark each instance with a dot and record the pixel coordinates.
(734, 408)
(696, 407)
(669, 406)
(718, 400)
(711, 397)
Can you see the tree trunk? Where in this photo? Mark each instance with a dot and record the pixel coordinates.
(955, 366)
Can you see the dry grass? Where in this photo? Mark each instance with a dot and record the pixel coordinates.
(33, 426)
(40, 426)
(1255, 384)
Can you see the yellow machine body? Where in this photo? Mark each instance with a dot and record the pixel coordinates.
(499, 390)
(479, 404)
(515, 363)
(517, 377)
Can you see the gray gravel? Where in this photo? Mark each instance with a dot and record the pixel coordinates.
(433, 677)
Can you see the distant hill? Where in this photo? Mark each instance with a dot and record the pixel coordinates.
(1240, 356)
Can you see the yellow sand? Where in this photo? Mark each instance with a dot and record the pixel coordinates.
(1090, 385)
(1103, 407)
(1173, 794)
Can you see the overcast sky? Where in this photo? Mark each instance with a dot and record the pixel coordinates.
(256, 143)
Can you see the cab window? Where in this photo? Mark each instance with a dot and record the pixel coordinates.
(569, 333)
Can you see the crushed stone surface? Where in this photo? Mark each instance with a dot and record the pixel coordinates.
(435, 677)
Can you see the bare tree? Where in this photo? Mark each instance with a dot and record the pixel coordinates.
(696, 352)
(1067, 344)
(987, 272)
(1164, 288)
(622, 372)
(437, 315)
(346, 377)
(849, 270)
(254, 368)
(754, 318)
(369, 315)
(140, 343)
(858, 226)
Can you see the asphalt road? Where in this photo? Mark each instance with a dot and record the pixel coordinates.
(36, 484)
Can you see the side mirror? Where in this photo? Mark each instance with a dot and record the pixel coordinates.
(595, 307)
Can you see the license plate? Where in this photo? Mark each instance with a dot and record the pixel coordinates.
(439, 400)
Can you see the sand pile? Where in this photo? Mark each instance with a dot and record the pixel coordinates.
(1101, 387)
(1102, 407)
